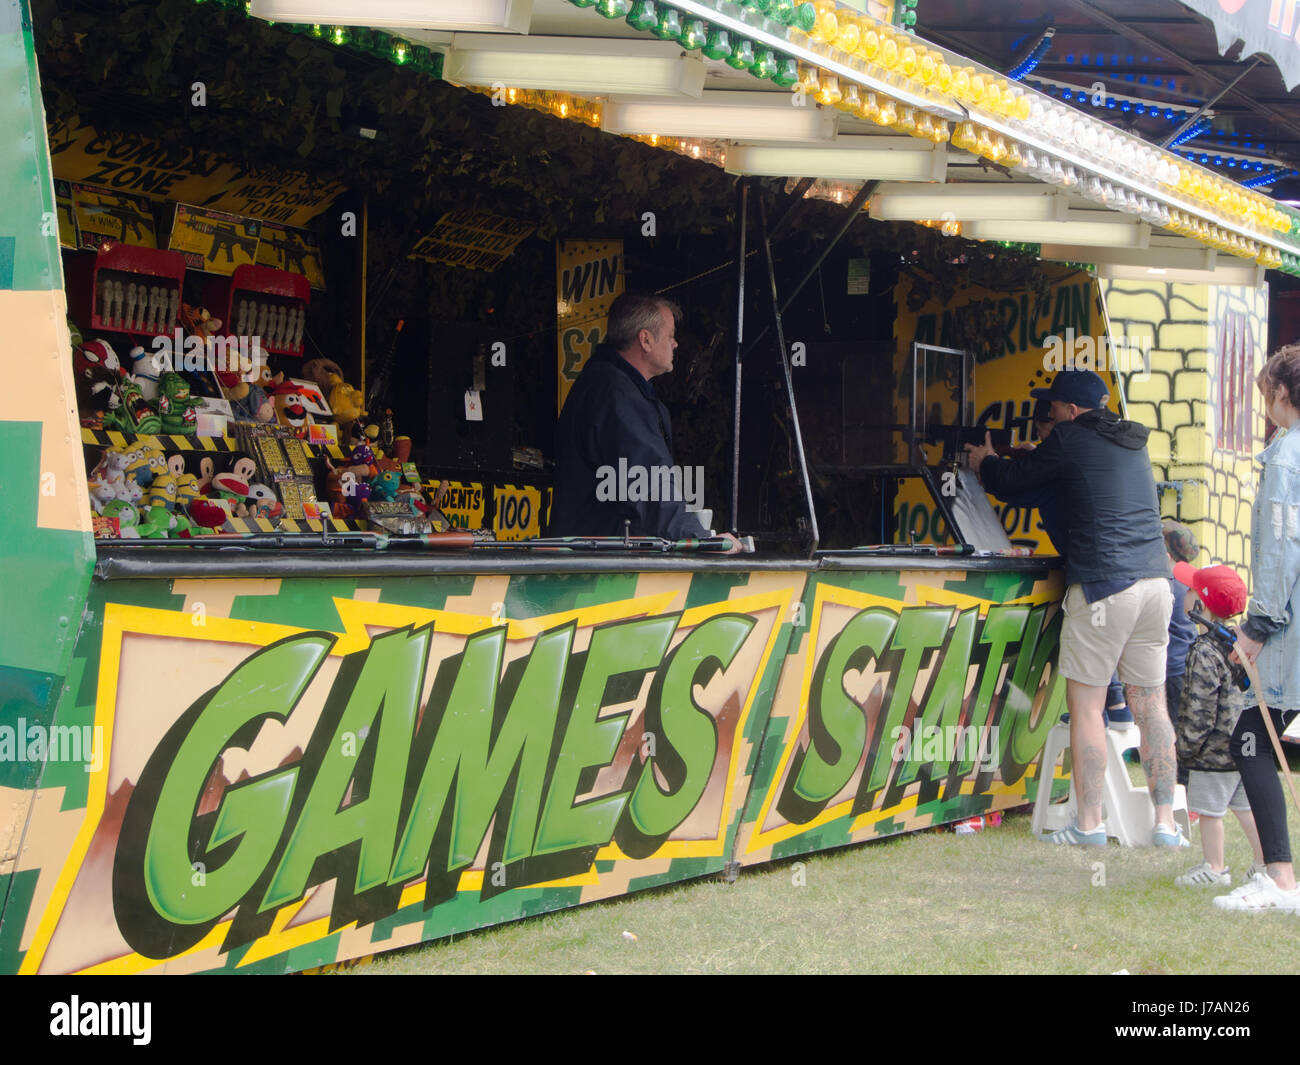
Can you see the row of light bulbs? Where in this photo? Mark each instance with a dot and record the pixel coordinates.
(860, 37)
(892, 56)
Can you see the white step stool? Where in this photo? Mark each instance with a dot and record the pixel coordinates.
(1130, 814)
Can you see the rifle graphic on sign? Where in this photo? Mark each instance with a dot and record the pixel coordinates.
(293, 254)
(226, 238)
(125, 215)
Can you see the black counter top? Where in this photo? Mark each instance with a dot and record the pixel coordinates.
(154, 563)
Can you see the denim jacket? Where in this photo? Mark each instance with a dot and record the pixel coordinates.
(1275, 569)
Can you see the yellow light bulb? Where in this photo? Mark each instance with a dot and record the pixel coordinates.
(978, 88)
(964, 136)
(941, 132)
(826, 28)
(1023, 108)
(829, 94)
(925, 127)
(869, 46)
(888, 114)
(888, 53)
(943, 78)
(907, 60)
(993, 96)
(1013, 157)
(906, 120)
(870, 106)
(928, 68)
(809, 80)
(850, 34)
(961, 82)
(852, 99)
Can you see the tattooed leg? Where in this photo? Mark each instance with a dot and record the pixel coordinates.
(1087, 750)
(1157, 748)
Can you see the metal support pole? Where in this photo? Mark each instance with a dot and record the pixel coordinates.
(742, 217)
(1206, 106)
(789, 380)
(854, 208)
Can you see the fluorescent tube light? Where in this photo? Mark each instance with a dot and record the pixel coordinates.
(512, 16)
(738, 116)
(1228, 270)
(585, 66)
(1107, 234)
(969, 203)
(1193, 257)
(848, 159)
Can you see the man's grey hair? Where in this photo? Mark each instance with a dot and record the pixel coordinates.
(633, 311)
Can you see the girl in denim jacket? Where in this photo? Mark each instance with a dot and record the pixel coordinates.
(1270, 635)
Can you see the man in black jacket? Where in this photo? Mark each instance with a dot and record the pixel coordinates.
(1117, 602)
(614, 460)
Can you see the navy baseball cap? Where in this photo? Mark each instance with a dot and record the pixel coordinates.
(1083, 388)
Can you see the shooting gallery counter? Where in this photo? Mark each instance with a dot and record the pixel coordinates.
(125, 563)
(285, 758)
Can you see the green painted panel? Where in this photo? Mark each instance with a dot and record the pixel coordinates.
(447, 753)
(53, 565)
(16, 891)
(26, 185)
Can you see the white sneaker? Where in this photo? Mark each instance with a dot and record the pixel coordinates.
(1260, 894)
(1204, 876)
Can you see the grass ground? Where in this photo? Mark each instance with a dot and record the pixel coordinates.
(997, 902)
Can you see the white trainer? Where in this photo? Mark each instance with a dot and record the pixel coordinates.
(1204, 876)
(1260, 894)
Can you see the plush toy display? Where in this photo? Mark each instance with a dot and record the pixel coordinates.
(262, 503)
(346, 402)
(99, 378)
(146, 368)
(176, 405)
(321, 372)
(384, 486)
(159, 519)
(290, 408)
(127, 516)
(134, 415)
(247, 393)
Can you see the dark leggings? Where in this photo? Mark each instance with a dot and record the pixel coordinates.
(1259, 778)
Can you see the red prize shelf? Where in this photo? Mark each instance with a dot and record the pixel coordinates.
(125, 289)
(259, 301)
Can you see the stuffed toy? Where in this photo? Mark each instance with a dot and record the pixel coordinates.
(320, 372)
(99, 378)
(383, 488)
(246, 393)
(134, 415)
(346, 403)
(176, 405)
(127, 517)
(262, 503)
(290, 410)
(147, 367)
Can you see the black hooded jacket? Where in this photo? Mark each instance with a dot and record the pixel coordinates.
(613, 416)
(1105, 493)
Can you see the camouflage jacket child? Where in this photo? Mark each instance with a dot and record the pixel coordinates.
(1211, 704)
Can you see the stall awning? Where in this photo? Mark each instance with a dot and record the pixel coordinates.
(830, 91)
(1264, 27)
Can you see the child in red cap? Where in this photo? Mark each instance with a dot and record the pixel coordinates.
(1212, 701)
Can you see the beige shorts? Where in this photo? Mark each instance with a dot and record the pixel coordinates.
(1126, 632)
